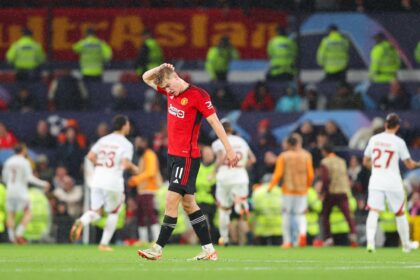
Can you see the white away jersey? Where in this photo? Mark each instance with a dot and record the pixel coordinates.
(385, 151)
(238, 175)
(17, 173)
(110, 151)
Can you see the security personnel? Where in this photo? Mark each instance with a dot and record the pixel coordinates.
(26, 55)
(282, 51)
(333, 55)
(266, 214)
(38, 226)
(312, 215)
(384, 60)
(388, 225)
(150, 53)
(94, 53)
(205, 183)
(218, 59)
(417, 53)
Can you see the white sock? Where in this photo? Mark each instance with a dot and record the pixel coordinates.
(143, 234)
(224, 220)
(155, 229)
(20, 230)
(109, 229)
(403, 229)
(302, 224)
(11, 234)
(89, 217)
(208, 247)
(286, 228)
(371, 225)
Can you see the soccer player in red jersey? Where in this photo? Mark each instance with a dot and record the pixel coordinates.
(187, 105)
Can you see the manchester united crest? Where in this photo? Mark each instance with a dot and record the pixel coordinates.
(184, 101)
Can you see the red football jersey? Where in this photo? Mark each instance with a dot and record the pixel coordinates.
(185, 112)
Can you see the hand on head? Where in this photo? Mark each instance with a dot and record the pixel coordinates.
(167, 65)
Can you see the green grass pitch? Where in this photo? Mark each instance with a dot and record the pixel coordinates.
(78, 262)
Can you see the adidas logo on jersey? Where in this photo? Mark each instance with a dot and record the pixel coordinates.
(176, 181)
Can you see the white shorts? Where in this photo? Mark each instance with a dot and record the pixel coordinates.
(17, 204)
(225, 194)
(294, 204)
(109, 200)
(395, 200)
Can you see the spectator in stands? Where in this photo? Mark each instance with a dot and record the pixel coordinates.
(321, 141)
(346, 98)
(121, 101)
(335, 136)
(219, 58)
(62, 223)
(397, 98)
(415, 100)
(417, 53)
(80, 137)
(43, 137)
(150, 54)
(72, 195)
(308, 134)
(259, 99)
(281, 51)
(360, 139)
(223, 99)
(5, 99)
(60, 173)
(71, 154)
(384, 60)
(43, 170)
(354, 170)
(291, 102)
(153, 102)
(263, 142)
(7, 138)
(101, 130)
(67, 93)
(24, 101)
(26, 55)
(333, 55)
(264, 138)
(94, 53)
(312, 99)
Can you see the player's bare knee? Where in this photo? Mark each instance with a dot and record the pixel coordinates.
(189, 205)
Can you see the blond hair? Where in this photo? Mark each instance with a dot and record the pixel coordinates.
(162, 74)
